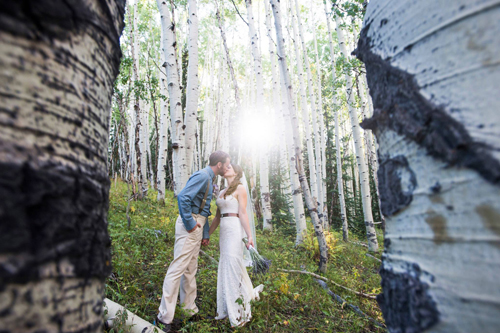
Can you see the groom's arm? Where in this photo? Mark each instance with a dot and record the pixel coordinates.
(195, 184)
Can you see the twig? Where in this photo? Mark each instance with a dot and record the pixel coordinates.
(239, 12)
(327, 280)
(342, 301)
(209, 257)
(369, 255)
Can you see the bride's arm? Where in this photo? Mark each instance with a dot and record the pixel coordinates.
(242, 211)
(215, 222)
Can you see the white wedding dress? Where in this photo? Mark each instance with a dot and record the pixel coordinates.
(234, 287)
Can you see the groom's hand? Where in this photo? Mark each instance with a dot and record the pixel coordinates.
(198, 225)
(205, 241)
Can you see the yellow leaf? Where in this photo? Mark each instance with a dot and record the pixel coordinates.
(132, 209)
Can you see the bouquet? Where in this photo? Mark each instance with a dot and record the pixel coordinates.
(260, 264)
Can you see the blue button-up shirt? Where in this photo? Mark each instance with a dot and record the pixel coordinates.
(191, 196)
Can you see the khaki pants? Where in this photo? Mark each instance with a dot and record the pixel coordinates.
(182, 270)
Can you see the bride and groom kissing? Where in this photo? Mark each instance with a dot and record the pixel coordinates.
(234, 288)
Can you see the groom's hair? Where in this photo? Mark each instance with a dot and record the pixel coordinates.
(218, 156)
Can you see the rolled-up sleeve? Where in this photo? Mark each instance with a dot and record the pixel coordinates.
(195, 184)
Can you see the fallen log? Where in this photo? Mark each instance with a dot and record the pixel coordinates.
(353, 307)
(369, 255)
(328, 280)
(133, 322)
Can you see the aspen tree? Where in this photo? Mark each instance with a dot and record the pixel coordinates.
(180, 168)
(137, 109)
(316, 152)
(433, 73)
(318, 227)
(57, 78)
(192, 89)
(336, 106)
(360, 156)
(263, 153)
(305, 113)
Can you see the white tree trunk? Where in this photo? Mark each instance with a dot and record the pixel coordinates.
(163, 140)
(180, 167)
(305, 113)
(316, 152)
(56, 82)
(318, 227)
(263, 153)
(320, 131)
(340, 182)
(298, 204)
(433, 75)
(144, 143)
(360, 156)
(192, 89)
(137, 105)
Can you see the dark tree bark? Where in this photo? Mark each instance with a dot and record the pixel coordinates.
(58, 63)
(433, 73)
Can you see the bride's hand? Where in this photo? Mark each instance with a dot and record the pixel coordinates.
(250, 242)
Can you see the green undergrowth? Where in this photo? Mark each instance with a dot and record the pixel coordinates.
(290, 302)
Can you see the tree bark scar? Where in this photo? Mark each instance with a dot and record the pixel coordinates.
(399, 106)
(62, 19)
(49, 214)
(396, 184)
(405, 301)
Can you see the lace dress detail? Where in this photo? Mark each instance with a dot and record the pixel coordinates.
(234, 287)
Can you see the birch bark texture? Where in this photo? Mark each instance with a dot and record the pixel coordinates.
(55, 89)
(177, 134)
(433, 73)
(134, 45)
(318, 227)
(192, 89)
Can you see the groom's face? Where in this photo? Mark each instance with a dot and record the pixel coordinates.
(223, 167)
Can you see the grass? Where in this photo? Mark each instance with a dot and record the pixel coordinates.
(289, 303)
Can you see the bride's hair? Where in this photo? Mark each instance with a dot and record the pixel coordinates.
(237, 180)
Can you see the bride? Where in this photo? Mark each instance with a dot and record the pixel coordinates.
(234, 288)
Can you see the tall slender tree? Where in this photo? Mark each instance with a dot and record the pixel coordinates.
(360, 155)
(318, 227)
(263, 153)
(192, 89)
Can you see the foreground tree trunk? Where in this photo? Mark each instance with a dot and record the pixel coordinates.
(56, 78)
(318, 227)
(433, 73)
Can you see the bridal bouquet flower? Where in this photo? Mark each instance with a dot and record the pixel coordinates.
(260, 264)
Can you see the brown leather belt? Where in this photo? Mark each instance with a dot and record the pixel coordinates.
(230, 214)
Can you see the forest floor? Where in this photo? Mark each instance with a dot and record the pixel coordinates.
(290, 302)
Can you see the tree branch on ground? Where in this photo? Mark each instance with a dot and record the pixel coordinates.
(327, 280)
(342, 301)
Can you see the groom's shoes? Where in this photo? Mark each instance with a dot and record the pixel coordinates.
(164, 326)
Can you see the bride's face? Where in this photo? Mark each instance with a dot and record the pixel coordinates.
(229, 172)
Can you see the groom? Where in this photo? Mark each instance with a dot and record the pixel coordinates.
(191, 230)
